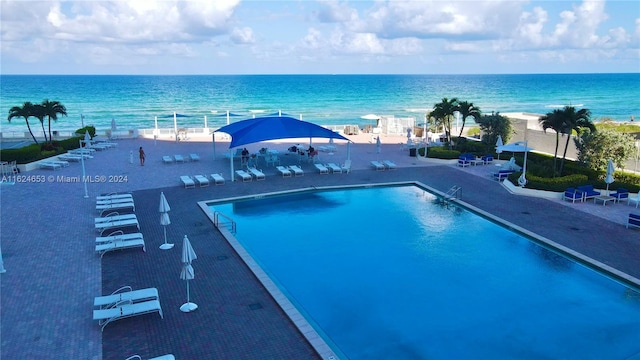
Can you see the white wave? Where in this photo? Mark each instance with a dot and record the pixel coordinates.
(561, 106)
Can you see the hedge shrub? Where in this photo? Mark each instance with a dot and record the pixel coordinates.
(439, 152)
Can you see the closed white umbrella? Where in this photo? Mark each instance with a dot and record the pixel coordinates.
(499, 145)
(113, 125)
(187, 273)
(609, 178)
(164, 209)
(378, 146)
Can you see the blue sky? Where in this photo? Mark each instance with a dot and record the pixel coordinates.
(319, 37)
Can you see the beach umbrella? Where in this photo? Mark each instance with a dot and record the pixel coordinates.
(187, 273)
(113, 125)
(164, 209)
(498, 145)
(87, 138)
(378, 146)
(609, 178)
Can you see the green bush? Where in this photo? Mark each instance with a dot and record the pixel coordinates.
(90, 129)
(23, 155)
(69, 144)
(550, 184)
(439, 152)
(469, 146)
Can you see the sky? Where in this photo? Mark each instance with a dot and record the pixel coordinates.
(221, 37)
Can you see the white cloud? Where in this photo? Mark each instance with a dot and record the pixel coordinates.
(242, 36)
(334, 11)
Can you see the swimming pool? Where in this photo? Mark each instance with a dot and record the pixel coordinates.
(391, 273)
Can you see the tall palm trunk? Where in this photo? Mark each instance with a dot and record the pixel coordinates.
(44, 132)
(555, 154)
(30, 131)
(50, 136)
(564, 154)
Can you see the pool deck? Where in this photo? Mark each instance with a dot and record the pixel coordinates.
(53, 273)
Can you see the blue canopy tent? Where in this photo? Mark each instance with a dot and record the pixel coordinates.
(272, 128)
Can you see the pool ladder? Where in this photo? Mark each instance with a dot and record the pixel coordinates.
(226, 221)
(454, 193)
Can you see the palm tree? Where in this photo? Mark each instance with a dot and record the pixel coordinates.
(574, 120)
(467, 109)
(52, 109)
(555, 121)
(38, 113)
(443, 113)
(25, 112)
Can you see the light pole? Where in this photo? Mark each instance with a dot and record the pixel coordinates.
(522, 180)
(637, 154)
(84, 173)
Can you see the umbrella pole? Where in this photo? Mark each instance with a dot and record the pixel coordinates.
(188, 292)
(165, 234)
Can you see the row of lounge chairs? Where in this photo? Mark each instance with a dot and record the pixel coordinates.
(119, 231)
(179, 158)
(190, 182)
(384, 165)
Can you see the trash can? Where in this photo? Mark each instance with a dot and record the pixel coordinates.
(412, 152)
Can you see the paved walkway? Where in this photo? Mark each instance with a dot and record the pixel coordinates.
(53, 273)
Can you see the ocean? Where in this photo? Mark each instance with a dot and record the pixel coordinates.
(134, 101)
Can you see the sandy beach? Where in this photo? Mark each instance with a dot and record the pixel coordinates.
(53, 272)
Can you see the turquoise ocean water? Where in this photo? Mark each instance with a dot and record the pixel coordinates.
(323, 99)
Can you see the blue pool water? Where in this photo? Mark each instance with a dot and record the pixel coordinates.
(389, 273)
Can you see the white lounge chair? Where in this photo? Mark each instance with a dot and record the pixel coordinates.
(202, 180)
(321, 168)
(167, 159)
(70, 157)
(187, 182)
(129, 205)
(125, 293)
(346, 167)
(114, 201)
(217, 179)
(334, 168)
(125, 310)
(104, 248)
(283, 171)
(61, 162)
(114, 225)
(377, 165)
(114, 196)
(297, 170)
(50, 165)
(258, 174)
(118, 236)
(194, 157)
(163, 357)
(243, 175)
(112, 218)
(390, 165)
(178, 158)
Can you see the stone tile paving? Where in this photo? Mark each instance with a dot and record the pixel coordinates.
(53, 273)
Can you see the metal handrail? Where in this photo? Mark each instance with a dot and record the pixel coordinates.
(229, 223)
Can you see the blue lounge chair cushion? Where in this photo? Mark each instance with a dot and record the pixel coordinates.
(634, 220)
(587, 191)
(621, 193)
